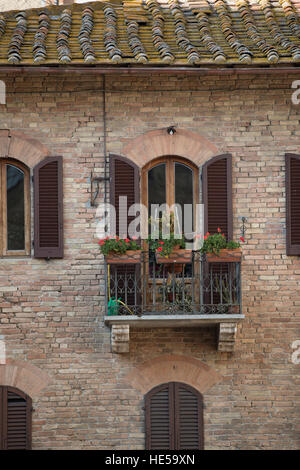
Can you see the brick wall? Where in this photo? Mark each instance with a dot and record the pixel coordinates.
(52, 312)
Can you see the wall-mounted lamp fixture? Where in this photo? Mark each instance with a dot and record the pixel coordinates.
(96, 181)
(171, 130)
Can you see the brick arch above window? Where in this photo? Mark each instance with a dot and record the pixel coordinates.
(24, 376)
(173, 368)
(15, 144)
(153, 144)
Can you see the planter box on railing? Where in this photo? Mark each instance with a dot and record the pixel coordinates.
(130, 257)
(181, 256)
(225, 256)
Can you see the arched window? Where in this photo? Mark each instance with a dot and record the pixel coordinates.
(15, 208)
(174, 417)
(171, 180)
(15, 419)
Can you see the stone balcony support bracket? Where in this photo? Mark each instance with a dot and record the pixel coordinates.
(227, 335)
(120, 338)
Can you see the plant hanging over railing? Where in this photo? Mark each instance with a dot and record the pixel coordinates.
(216, 242)
(118, 245)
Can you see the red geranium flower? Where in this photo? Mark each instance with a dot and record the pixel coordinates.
(127, 240)
(159, 249)
(242, 239)
(219, 230)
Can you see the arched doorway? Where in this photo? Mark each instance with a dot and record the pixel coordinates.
(170, 180)
(174, 417)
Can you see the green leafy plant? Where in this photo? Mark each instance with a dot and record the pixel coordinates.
(117, 245)
(216, 242)
(162, 244)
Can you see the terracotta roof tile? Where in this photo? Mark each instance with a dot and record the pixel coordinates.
(154, 33)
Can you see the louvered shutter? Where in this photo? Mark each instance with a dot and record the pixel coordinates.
(292, 204)
(217, 200)
(189, 418)
(48, 208)
(174, 417)
(15, 414)
(124, 181)
(160, 418)
(217, 195)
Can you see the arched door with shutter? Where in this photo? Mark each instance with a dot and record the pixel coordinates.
(174, 417)
(15, 419)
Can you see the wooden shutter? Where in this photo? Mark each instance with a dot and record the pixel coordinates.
(189, 417)
(292, 204)
(124, 181)
(174, 417)
(48, 208)
(217, 195)
(15, 414)
(217, 200)
(160, 418)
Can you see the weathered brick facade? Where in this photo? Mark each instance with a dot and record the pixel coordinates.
(52, 312)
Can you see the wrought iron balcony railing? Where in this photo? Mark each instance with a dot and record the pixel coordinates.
(173, 288)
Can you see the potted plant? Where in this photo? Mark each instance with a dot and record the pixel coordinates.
(169, 249)
(120, 250)
(218, 250)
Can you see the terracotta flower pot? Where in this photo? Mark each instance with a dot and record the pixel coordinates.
(130, 257)
(225, 256)
(235, 309)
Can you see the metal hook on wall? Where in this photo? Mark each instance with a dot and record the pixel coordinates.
(96, 181)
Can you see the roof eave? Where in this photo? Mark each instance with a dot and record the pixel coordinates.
(98, 69)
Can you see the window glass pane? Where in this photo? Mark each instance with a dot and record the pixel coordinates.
(184, 193)
(15, 208)
(156, 195)
(157, 185)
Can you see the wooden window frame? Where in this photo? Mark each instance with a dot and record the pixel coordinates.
(170, 161)
(4, 252)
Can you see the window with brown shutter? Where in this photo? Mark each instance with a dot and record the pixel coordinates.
(15, 419)
(292, 162)
(174, 417)
(48, 208)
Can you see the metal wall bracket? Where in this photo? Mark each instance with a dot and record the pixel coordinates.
(96, 181)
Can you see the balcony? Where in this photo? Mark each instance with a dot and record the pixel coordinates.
(176, 293)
